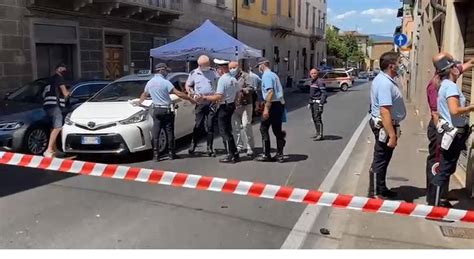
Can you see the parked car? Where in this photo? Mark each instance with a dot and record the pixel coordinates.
(335, 79)
(364, 75)
(109, 124)
(24, 126)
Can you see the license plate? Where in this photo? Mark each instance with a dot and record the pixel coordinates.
(90, 140)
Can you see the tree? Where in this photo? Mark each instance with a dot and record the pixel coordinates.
(336, 46)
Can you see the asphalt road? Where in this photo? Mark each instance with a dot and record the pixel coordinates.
(51, 210)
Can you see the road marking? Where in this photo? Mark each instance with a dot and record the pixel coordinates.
(305, 223)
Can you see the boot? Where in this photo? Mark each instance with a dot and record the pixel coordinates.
(192, 150)
(173, 156)
(266, 156)
(156, 151)
(232, 156)
(210, 149)
(319, 133)
(280, 157)
(377, 189)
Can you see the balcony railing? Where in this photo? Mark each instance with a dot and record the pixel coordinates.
(280, 22)
(317, 33)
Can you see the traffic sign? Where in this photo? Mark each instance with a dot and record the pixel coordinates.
(400, 40)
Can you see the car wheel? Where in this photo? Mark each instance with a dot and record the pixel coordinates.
(163, 141)
(344, 87)
(36, 141)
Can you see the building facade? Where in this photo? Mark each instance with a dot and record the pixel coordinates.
(376, 50)
(439, 26)
(289, 32)
(96, 39)
(363, 43)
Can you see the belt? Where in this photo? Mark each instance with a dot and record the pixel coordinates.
(462, 130)
(162, 106)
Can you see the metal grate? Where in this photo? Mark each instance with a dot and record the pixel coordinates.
(456, 232)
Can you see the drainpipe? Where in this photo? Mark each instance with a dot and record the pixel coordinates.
(437, 6)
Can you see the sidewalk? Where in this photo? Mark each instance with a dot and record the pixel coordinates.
(406, 175)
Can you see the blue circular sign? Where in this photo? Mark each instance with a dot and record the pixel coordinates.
(400, 40)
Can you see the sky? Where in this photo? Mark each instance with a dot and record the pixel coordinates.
(366, 16)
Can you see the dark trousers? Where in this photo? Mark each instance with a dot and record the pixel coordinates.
(434, 154)
(449, 159)
(274, 121)
(224, 115)
(206, 120)
(317, 114)
(382, 156)
(163, 119)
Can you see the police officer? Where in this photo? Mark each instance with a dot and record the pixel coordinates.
(202, 82)
(54, 102)
(453, 124)
(434, 156)
(159, 88)
(274, 108)
(317, 99)
(226, 94)
(387, 111)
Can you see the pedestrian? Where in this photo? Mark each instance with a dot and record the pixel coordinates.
(453, 126)
(201, 82)
(434, 148)
(225, 95)
(159, 88)
(242, 118)
(317, 99)
(54, 102)
(256, 83)
(273, 112)
(387, 111)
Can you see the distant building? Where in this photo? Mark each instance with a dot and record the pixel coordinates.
(375, 52)
(363, 43)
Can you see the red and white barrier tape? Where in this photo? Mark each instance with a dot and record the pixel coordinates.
(237, 187)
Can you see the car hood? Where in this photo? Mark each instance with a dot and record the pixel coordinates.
(105, 112)
(10, 108)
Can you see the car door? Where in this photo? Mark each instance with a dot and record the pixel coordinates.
(185, 116)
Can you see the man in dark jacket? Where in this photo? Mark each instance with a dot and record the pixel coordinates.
(317, 99)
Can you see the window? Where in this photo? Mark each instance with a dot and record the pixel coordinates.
(299, 13)
(95, 88)
(307, 15)
(264, 6)
(289, 59)
(81, 91)
(290, 8)
(263, 53)
(314, 19)
(319, 19)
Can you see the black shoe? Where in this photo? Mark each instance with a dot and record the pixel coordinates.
(236, 158)
(173, 156)
(211, 153)
(314, 136)
(279, 158)
(446, 204)
(192, 151)
(264, 158)
(388, 194)
(382, 195)
(228, 160)
(318, 138)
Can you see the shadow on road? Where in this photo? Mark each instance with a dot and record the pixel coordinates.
(409, 193)
(16, 179)
(331, 138)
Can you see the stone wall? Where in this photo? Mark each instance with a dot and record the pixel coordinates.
(15, 55)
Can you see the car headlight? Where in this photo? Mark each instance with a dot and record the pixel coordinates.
(68, 120)
(11, 125)
(136, 118)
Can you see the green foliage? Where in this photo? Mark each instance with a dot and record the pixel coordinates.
(344, 47)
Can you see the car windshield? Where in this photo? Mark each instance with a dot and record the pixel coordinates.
(120, 92)
(30, 93)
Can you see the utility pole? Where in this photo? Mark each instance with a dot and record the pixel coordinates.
(235, 18)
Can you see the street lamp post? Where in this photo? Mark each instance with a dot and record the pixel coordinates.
(236, 22)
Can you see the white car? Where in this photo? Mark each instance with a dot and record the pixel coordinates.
(109, 124)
